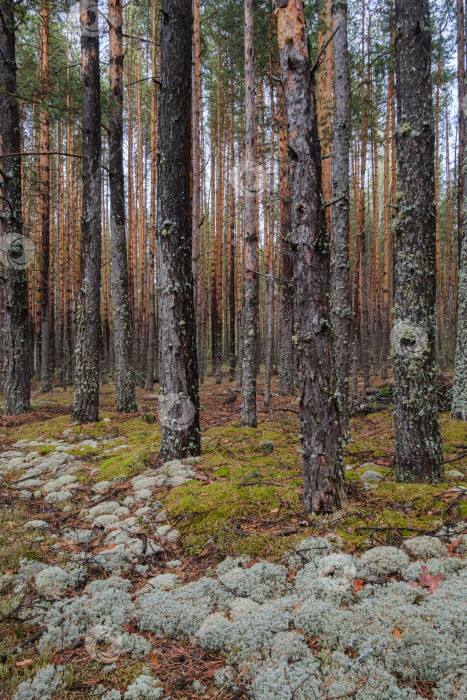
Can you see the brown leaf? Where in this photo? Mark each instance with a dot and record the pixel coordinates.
(396, 633)
(358, 584)
(274, 510)
(429, 581)
(26, 662)
(455, 544)
(130, 627)
(154, 659)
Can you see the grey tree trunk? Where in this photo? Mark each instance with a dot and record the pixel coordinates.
(250, 287)
(459, 389)
(340, 268)
(44, 196)
(15, 330)
(286, 286)
(418, 454)
(86, 398)
(179, 399)
(123, 342)
(322, 462)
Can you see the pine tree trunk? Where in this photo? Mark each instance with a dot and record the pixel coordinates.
(319, 412)
(459, 389)
(231, 244)
(418, 454)
(44, 198)
(250, 287)
(86, 398)
(15, 330)
(341, 306)
(151, 345)
(179, 404)
(123, 341)
(286, 287)
(461, 91)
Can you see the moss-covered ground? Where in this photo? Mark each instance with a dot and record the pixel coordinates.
(245, 499)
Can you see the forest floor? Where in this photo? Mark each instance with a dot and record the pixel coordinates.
(108, 570)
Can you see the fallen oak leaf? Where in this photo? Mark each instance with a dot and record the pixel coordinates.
(358, 584)
(429, 581)
(455, 544)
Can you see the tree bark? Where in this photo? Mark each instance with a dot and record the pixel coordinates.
(44, 198)
(86, 398)
(286, 286)
(418, 454)
(250, 288)
(151, 345)
(123, 341)
(322, 461)
(461, 91)
(341, 307)
(179, 399)
(459, 389)
(15, 330)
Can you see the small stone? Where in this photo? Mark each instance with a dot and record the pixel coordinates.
(161, 516)
(106, 420)
(37, 525)
(371, 476)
